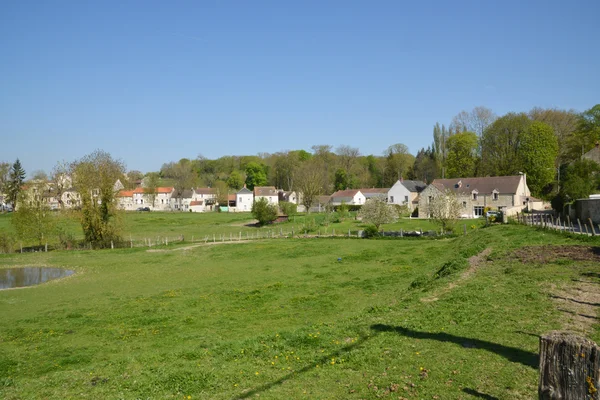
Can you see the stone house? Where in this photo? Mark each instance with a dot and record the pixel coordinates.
(508, 194)
(267, 192)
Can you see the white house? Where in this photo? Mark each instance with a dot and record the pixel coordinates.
(245, 198)
(350, 197)
(266, 192)
(369, 193)
(405, 192)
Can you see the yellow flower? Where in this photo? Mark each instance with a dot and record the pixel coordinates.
(256, 373)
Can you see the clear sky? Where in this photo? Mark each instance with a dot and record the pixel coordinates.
(153, 82)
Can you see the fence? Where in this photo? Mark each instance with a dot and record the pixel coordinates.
(547, 221)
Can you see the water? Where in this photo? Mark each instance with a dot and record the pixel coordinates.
(29, 276)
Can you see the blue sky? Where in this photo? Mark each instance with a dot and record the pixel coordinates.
(153, 82)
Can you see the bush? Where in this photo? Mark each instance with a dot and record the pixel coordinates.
(264, 212)
(401, 210)
(371, 231)
(7, 243)
(288, 208)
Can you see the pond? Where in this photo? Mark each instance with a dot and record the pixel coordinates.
(29, 276)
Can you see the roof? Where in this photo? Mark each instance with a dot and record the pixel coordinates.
(593, 154)
(196, 203)
(502, 184)
(345, 193)
(186, 194)
(244, 190)
(125, 193)
(265, 191)
(414, 186)
(323, 199)
(167, 189)
(204, 190)
(374, 191)
(231, 197)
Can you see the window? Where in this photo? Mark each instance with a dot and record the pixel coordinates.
(239, 199)
(495, 196)
(406, 199)
(478, 211)
(391, 199)
(429, 199)
(464, 204)
(475, 196)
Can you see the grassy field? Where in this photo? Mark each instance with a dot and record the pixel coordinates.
(138, 226)
(302, 318)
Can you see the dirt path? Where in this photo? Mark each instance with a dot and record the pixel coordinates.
(475, 262)
(193, 246)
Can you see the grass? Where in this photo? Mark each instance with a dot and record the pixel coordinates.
(284, 319)
(151, 225)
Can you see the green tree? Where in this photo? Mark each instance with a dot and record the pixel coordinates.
(500, 145)
(342, 180)
(579, 179)
(586, 135)
(16, 177)
(564, 124)
(264, 212)
(538, 149)
(377, 211)
(222, 193)
(33, 221)
(235, 180)
(94, 177)
(398, 164)
(4, 178)
(255, 175)
(462, 155)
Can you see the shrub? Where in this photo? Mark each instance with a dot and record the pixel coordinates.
(264, 212)
(371, 231)
(7, 243)
(288, 208)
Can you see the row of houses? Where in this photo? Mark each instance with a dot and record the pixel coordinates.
(509, 194)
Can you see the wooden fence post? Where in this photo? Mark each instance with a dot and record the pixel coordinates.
(592, 226)
(569, 367)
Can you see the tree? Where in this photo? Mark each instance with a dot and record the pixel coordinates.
(462, 155)
(377, 211)
(15, 183)
(343, 180)
(4, 177)
(538, 149)
(586, 135)
(398, 163)
(425, 167)
(255, 175)
(580, 179)
(264, 212)
(347, 156)
(222, 193)
(235, 180)
(34, 220)
(324, 158)
(184, 178)
(309, 182)
(564, 124)
(444, 209)
(475, 121)
(500, 145)
(94, 176)
(151, 184)
(60, 181)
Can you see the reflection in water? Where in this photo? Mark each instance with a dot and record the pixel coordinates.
(29, 276)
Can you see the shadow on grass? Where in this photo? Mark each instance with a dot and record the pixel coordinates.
(320, 361)
(479, 395)
(512, 354)
(575, 300)
(579, 314)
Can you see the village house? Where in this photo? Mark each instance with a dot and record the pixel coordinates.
(266, 192)
(245, 198)
(349, 196)
(508, 194)
(405, 193)
(370, 193)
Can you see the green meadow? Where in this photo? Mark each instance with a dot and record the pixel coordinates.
(315, 318)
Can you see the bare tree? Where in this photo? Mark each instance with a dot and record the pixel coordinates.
(444, 209)
(184, 177)
(324, 157)
(475, 121)
(377, 211)
(347, 156)
(151, 186)
(309, 182)
(222, 193)
(60, 181)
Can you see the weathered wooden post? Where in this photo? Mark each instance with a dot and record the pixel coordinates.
(592, 226)
(586, 230)
(464, 230)
(569, 367)
(46, 248)
(214, 239)
(112, 245)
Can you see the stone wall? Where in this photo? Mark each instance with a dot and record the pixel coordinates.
(588, 208)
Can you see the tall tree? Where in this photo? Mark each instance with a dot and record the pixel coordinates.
(94, 176)
(347, 156)
(151, 183)
(425, 167)
(184, 178)
(34, 220)
(462, 155)
(564, 124)
(587, 133)
(309, 183)
(60, 181)
(324, 158)
(255, 175)
(538, 149)
(500, 145)
(4, 178)
(235, 180)
(16, 178)
(399, 163)
(222, 193)
(475, 121)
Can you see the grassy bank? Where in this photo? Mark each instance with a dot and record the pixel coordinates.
(285, 319)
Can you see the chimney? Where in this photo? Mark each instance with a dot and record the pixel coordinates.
(597, 144)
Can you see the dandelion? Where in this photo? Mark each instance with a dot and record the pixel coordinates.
(256, 373)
